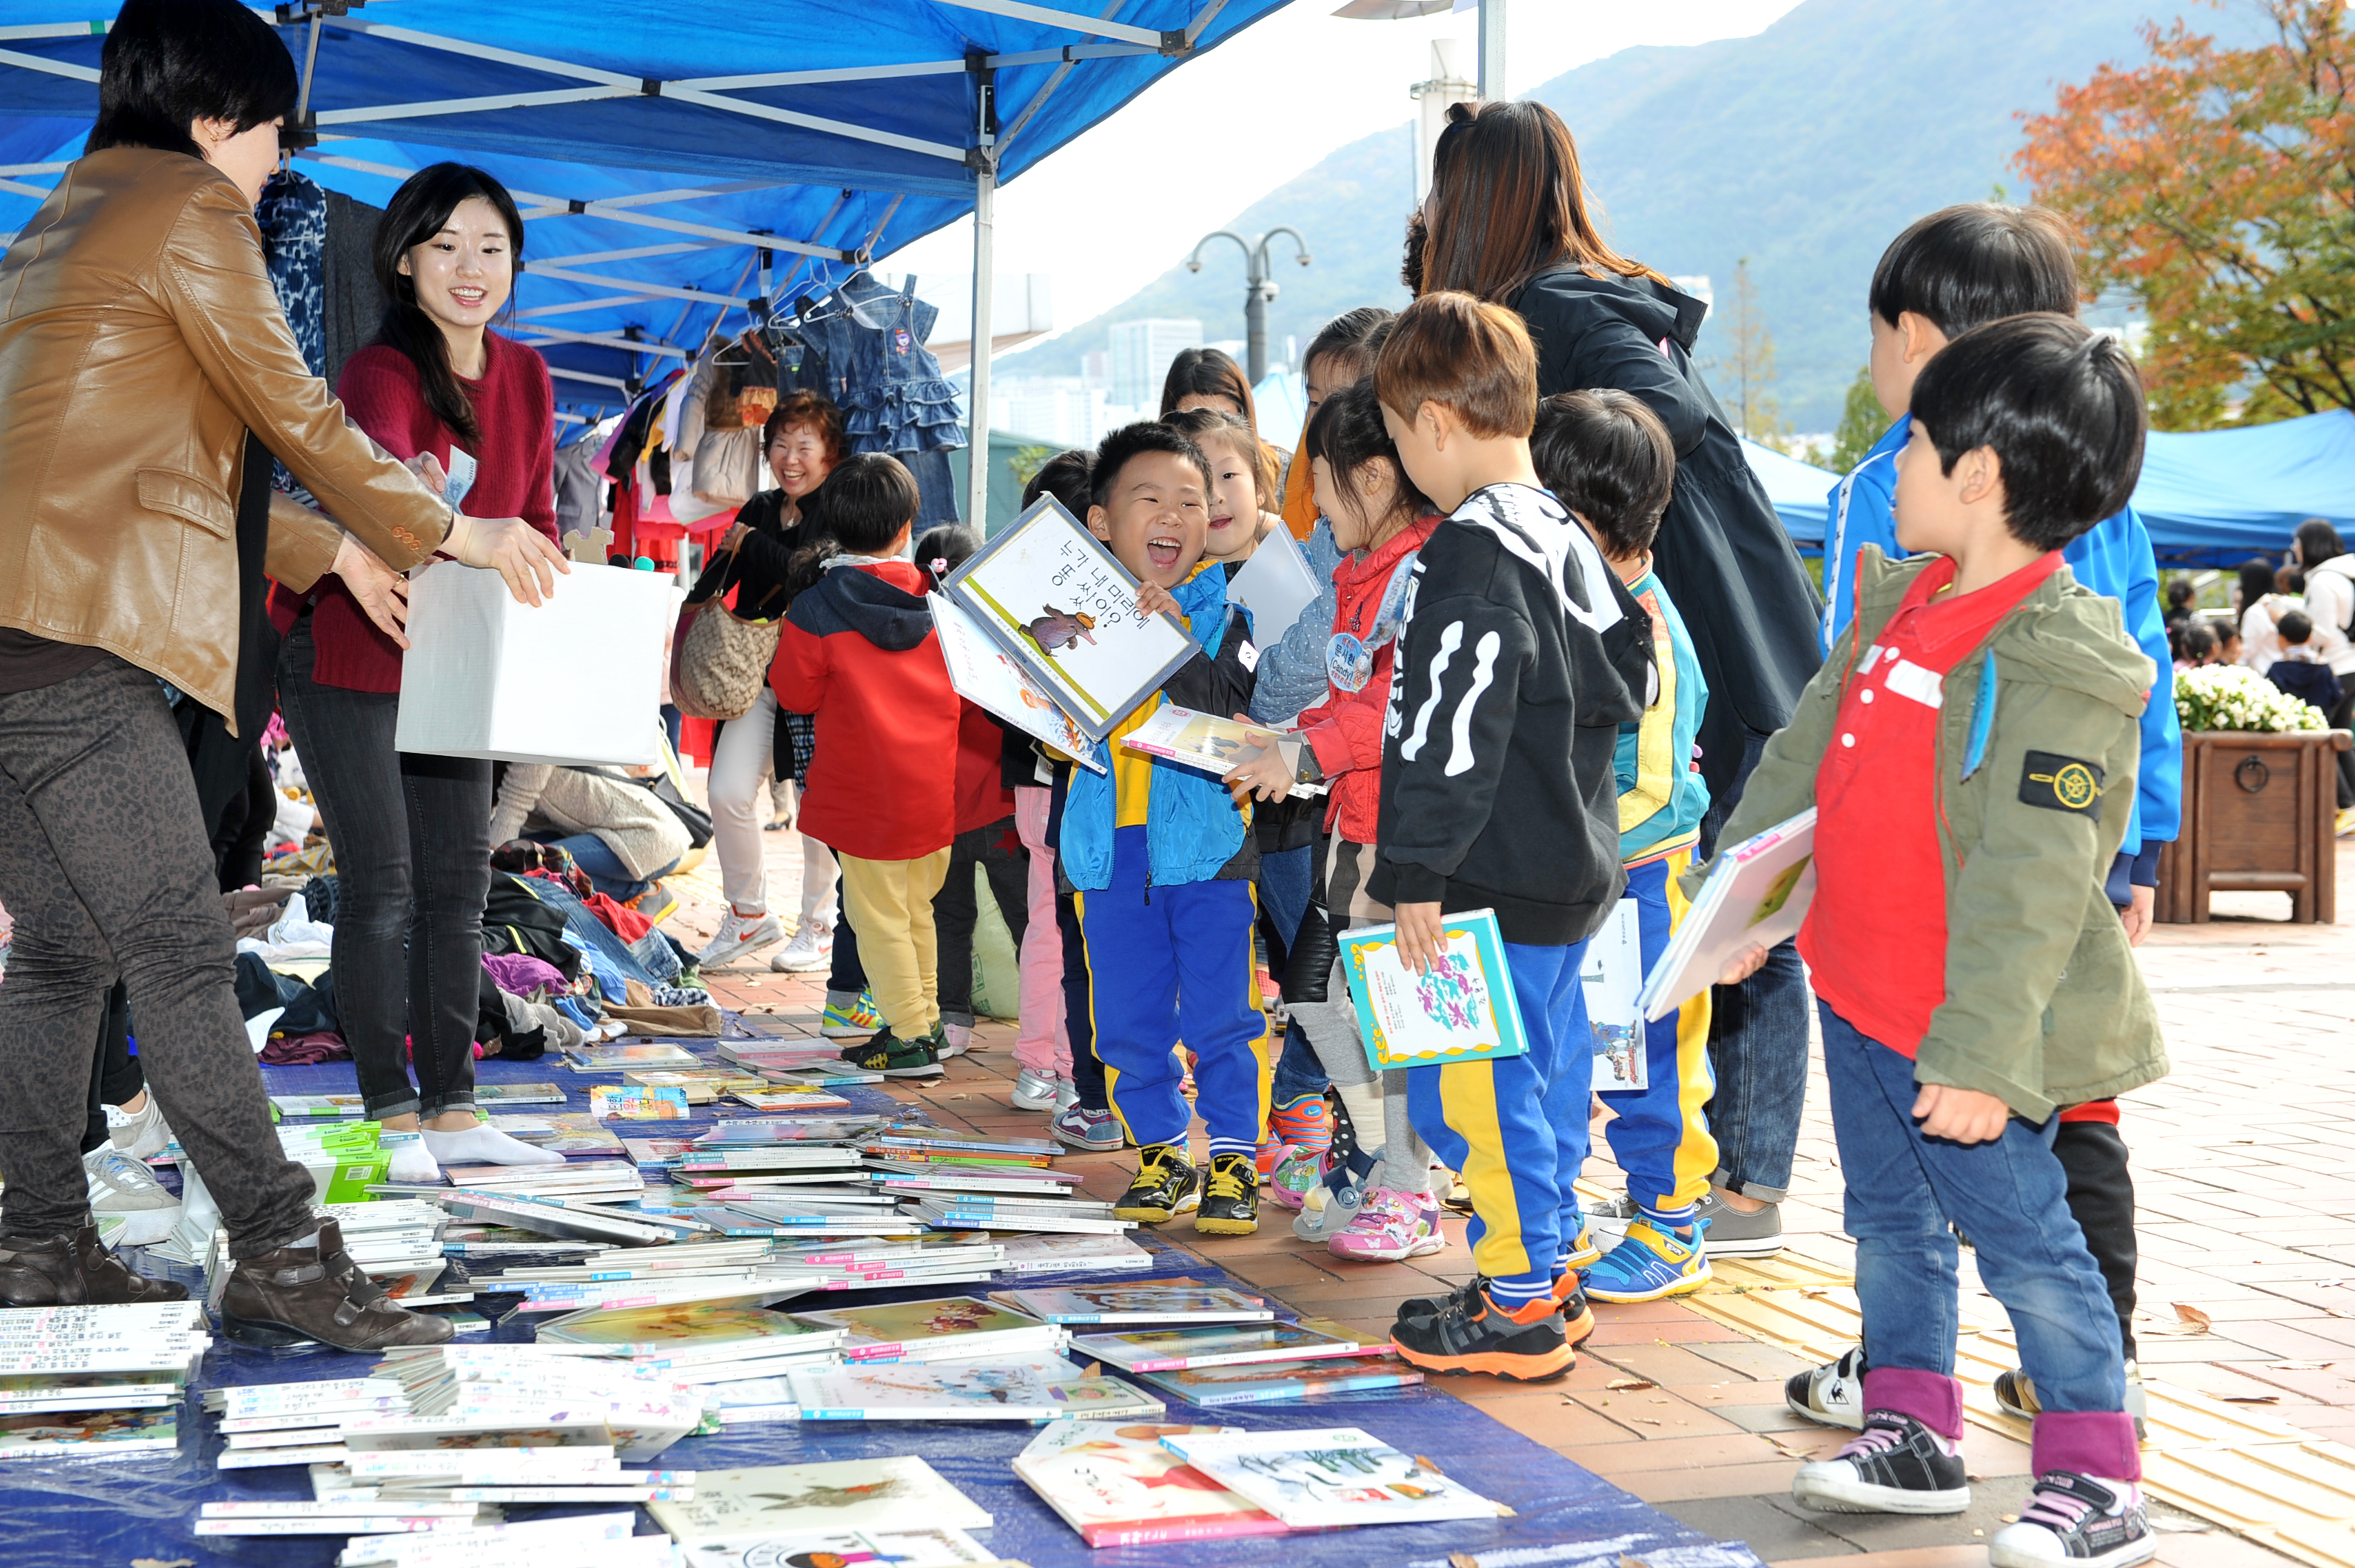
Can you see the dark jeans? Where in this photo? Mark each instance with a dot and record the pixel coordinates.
(108, 868)
(412, 837)
(955, 911)
(1757, 1048)
(2101, 1198)
(1079, 1008)
(239, 838)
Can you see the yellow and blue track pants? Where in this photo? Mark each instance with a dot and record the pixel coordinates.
(1167, 963)
(1659, 1134)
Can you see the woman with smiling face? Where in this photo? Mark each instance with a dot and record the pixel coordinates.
(412, 832)
(803, 442)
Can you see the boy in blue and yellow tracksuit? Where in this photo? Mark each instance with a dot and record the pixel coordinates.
(1162, 858)
(1607, 457)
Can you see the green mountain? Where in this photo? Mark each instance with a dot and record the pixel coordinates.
(1805, 149)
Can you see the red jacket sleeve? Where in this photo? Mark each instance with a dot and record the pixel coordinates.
(798, 674)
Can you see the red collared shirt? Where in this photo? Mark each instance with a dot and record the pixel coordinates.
(1875, 937)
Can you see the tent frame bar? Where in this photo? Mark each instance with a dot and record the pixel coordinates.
(632, 345)
(1023, 11)
(654, 290)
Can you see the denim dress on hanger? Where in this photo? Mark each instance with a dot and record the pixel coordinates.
(893, 394)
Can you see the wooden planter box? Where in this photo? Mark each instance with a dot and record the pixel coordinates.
(2258, 812)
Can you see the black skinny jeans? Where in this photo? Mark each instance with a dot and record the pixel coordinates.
(107, 865)
(955, 911)
(412, 837)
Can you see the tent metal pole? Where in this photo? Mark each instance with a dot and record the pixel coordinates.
(310, 64)
(1493, 87)
(985, 299)
(1021, 11)
(47, 67)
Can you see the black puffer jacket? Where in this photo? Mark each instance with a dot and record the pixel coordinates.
(1722, 552)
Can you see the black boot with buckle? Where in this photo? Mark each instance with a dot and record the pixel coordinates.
(295, 1293)
(74, 1270)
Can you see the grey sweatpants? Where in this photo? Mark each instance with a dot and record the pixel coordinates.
(107, 868)
(1332, 1029)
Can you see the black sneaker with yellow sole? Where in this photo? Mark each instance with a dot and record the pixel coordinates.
(1164, 1189)
(1230, 1205)
(1476, 1335)
(895, 1058)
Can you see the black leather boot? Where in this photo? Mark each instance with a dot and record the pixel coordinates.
(296, 1294)
(74, 1270)
(1308, 967)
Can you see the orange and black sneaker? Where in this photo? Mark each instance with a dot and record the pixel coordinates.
(1570, 1300)
(1476, 1335)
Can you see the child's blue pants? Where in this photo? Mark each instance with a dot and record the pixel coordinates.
(1659, 1136)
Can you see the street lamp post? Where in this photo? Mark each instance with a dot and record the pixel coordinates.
(1259, 285)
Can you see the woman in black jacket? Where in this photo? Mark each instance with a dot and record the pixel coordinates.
(1506, 220)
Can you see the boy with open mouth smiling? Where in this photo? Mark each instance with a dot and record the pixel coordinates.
(1163, 860)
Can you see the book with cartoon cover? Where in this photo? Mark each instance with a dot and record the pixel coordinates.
(1117, 1485)
(1212, 744)
(1462, 1011)
(690, 1334)
(1757, 893)
(1329, 1476)
(736, 1508)
(1147, 1301)
(1272, 1382)
(1037, 1390)
(1239, 1344)
(948, 1328)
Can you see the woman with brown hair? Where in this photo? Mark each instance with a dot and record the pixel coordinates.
(1509, 220)
(1207, 379)
(144, 363)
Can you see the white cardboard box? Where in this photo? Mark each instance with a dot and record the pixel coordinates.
(576, 680)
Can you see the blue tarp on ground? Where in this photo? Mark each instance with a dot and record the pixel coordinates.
(2220, 497)
(70, 1515)
(634, 104)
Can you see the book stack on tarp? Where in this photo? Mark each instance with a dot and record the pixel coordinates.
(1116, 1484)
(584, 1540)
(884, 1264)
(1064, 1255)
(1037, 1212)
(586, 1472)
(269, 1424)
(943, 1328)
(739, 1356)
(1180, 1300)
(526, 1396)
(680, 1274)
(96, 1382)
(1329, 1478)
(566, 1132)
(399, 1242)
(1244, 1362)
(1037, 1388)
(355, 1517)
(733, 1509)
(630, 1058)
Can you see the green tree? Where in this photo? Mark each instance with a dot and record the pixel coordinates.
(1861, 422)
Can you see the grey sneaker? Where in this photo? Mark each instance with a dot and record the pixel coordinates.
(139, 1133)
(120, 1185)
(1036, 1091)
(1734, 1234)
(1327, 1208)
(739, 935)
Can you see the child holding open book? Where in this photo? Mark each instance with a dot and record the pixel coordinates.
(1970, 748)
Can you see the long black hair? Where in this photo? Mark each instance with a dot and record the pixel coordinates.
(1347, 433)
(168, 62)
(416, 213)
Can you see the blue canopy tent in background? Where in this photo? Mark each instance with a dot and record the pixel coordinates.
(1797, 490)
(2220, 497)
(676, 161)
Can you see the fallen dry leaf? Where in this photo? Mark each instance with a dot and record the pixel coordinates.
(1462, 1560)
(1643, 1421)
(2199, 1320)
(2300, 1366)
(1628, 1385)
(2250, 1398)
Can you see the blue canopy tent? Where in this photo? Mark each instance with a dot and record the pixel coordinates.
(2220, 497)
(1798, 490)
(676, 161)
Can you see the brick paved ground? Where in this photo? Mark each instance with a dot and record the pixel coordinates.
(2246, 1193)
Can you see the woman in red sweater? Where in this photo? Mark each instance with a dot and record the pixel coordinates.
(410, 832)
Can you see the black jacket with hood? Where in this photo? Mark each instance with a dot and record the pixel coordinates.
(1722, 552)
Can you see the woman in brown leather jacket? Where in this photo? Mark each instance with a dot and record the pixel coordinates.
(144, 365)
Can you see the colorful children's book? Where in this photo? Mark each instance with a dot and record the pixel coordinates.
(1151, 1301)
(1329, 1476)
(912, 1547)
(621, 1058)
(1757, 894)
(1213, 744)
(575, 1132)
(319, 1107)
(1611, 977)
(637, 1103)
(737, 1508)
(984, 675)
(1055, 1254)
(519, 1094)
(789, 1099)
(948, 1327)
(1038, 1390)
(1270, 1383)
(1464, 1010)
(688, 1335)
(1116, 1485)
(1241, 1344)
(1056, 599)
(94, 1434)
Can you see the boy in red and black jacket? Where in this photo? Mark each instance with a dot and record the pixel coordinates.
(857, 650)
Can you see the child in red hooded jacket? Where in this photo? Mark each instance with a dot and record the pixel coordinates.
(858, 651)
(1373, 1204)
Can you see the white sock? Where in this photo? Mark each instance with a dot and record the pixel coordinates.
(413, 1162)
(1364, 1103)
(486, 1146)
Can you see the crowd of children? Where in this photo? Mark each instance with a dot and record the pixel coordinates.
(1501, 704)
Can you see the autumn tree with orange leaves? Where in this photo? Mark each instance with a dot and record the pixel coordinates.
(2217, 186)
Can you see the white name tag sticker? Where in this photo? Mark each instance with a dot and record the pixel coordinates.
(1909, 679)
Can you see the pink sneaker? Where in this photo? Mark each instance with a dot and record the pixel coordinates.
(1391, 1227)
(1287, 1186)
